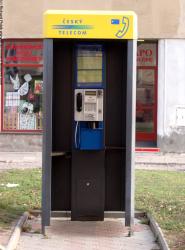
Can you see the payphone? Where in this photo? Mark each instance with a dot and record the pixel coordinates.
(88, 97)
(89, 105)
(89, 113)
(88, 119)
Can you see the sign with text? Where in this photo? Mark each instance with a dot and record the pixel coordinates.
(23, 52)
(146, 54)
(90, 24)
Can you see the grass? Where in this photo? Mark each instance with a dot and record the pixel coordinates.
(159, 192)
(163, 195)
(15, 200)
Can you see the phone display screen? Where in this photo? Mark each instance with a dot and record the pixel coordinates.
(93, 93)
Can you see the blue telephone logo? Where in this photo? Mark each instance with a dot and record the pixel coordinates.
(121, 32)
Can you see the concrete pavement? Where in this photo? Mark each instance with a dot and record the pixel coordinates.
(149, 161)
(20, 160)
(160, 161)
(110, 234)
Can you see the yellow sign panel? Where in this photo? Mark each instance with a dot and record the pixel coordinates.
(90, 24)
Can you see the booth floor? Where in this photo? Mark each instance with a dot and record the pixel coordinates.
(64, 234)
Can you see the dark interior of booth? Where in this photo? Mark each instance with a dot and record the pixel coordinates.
(111, 185)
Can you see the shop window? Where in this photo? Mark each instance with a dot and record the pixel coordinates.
(22, 84)
(146, 95)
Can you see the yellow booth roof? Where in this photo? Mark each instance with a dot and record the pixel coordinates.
(86, 24)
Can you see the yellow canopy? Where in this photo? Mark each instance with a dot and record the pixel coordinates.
(84, 24)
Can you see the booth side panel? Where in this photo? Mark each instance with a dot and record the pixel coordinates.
(47, 132)
(61, 183)
(63, 95)
(115, 124)
(62, 124)
(130, 132)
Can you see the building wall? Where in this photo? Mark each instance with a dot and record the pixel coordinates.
(10, 142)
(156, 18)
(171, 95)
(164, 20)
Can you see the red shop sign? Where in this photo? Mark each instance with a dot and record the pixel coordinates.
(23, 52)
(146, 54)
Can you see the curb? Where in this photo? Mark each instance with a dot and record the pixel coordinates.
(14, 238)
(157, 232)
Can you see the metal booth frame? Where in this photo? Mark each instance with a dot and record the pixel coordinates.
(52, 28)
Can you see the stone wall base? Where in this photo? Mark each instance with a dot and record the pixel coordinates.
(20, 143)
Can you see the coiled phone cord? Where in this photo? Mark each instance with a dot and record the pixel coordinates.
(76, 131)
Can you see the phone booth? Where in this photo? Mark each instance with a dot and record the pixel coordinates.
(89, 114)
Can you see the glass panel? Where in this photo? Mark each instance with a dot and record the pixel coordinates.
(146, 54)
(19, 52)
(145, 100)
(89, 76)
(87, 62)
(23, 98)
(89, 50)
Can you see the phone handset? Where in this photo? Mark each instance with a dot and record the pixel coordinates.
(79, 102)
(123, 31)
